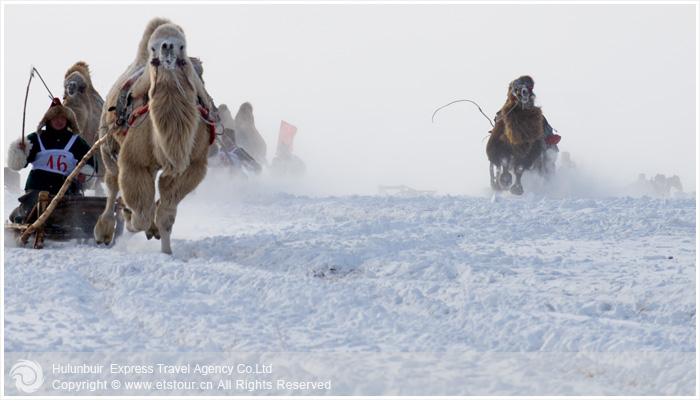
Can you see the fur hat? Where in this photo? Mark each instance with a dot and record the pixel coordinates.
(56, 110)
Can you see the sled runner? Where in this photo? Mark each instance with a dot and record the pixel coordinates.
(73, 218)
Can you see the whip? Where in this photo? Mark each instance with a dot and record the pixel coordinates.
(457, 101)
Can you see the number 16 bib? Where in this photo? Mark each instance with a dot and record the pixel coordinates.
(60, 161)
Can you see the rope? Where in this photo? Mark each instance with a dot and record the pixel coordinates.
(504, 115)
(179, 86)
(51, 96)
(457, 101)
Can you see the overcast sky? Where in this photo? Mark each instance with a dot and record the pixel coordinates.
(618, 82)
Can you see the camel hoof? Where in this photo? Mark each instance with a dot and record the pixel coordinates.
(104, 230)
(517, 190)
(153, 232)
(505, 179)
(126, 215)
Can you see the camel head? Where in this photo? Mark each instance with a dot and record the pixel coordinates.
(167, 47)
(74, 84)
(521, 90)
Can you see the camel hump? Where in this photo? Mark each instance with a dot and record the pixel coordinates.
(245, 110)
(80, 67)
(142, 55)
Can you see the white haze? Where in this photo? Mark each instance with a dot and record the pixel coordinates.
(361, 82)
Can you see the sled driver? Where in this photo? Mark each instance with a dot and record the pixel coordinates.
(54, 153)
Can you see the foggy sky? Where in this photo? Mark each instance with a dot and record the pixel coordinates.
(618, 82)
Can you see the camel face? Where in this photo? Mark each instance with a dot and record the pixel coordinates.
(167, 50)
(524, 95)
(73, 85)
(522, 91)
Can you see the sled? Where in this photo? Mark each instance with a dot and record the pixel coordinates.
(403, 191)
(73, 218)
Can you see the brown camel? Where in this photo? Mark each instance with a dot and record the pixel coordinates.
(81, 96)
(517, 139)
(244, 130)
(154, 120)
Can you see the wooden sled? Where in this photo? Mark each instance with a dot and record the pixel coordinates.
(73, 218)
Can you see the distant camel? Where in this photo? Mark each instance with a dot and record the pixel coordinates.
(517, 138)
(81, 96)
(155, 121)
(245, 133)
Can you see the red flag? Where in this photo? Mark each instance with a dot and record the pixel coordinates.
(286, 137)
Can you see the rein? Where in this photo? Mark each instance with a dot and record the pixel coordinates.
(181, 64)
(504, 115)
(457, 101)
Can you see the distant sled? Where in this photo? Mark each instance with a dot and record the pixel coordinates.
(403, 191)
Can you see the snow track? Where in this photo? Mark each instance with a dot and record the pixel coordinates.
(584, 294)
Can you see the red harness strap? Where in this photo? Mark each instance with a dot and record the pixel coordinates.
(212, 128)
(137, 113)
(144, 109)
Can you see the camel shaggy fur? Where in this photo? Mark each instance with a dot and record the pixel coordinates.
(81, 96)
(517, 138)
(244, 130)
(171, 136)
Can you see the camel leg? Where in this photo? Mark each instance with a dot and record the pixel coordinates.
(138, 192)
(494, 183)
(517, 188)
(549, 158)
(104, 228)
(172, 190)
(505, 179)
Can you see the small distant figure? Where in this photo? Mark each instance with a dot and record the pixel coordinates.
(566, 162)
(658, 186)
(521, 139)
(664, 185)
(286, 162)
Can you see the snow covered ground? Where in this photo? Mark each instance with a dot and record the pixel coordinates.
(373, 295)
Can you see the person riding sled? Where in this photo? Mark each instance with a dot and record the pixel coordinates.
(54, 152)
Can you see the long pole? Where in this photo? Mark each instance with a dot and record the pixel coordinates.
(24, 113)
